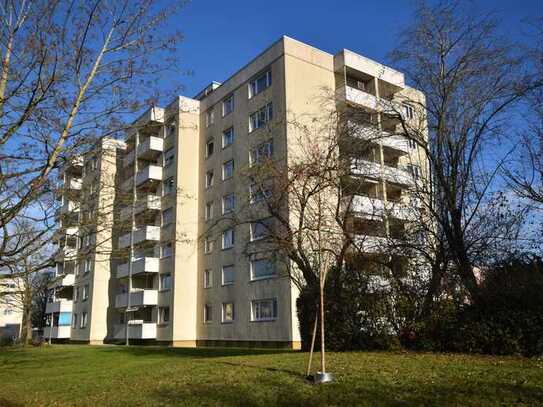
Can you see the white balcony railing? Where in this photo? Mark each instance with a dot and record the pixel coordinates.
(149, 174)
(151, 147)
(60, 305)
(66, 253)
(142, 265)
(142, 234)
(62, 280)
(136, 330)
(148, 203)
(57, 332)
(373, 135)
(371, 208)
(69, 206)
(375, 171)
(75, 184)
(372, 244)
(147, 297)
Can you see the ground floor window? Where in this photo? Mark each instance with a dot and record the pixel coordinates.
(264, 310)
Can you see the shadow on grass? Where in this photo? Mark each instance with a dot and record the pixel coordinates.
(201, 352)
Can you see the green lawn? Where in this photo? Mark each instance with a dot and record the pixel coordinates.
(148, 376)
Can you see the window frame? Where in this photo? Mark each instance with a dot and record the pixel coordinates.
(232, 242)
(229, 130)
(224, 167)
(224, 199)
(254, 89)
(162, 311)
(208, 278)
(252, 276)
(210, 178)
(228, 101)
(230, 268)
(223, 313)
(274, 308)
(161, 278)
(208, 313)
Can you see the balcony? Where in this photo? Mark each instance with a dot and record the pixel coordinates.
(145, 204)
(372, 244)
(151, 174)
(142, 265)
(374, 170)
(151, 148)
(66, 253)
(74, 184)
(372, 208)
(60, 305)
(136, 330)
(62, 280)
(73, 166)
(57, 332)
(69, 206)
(142, 234)
(141, 298)
(372, 135)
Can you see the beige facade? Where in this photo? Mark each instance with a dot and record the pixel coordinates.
(195, 276)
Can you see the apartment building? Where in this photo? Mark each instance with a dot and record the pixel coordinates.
(11, 315)
(171, 266)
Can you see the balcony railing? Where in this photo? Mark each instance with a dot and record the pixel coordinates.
(150, 174)
(142, 265)
(372, 244)
(373, 135)
(136, 330)
(142, 234)
(375, 171)
(62, 280)
(148, 203)
(150, 148)
(140, 298)
(372, 208)
(60, 305)
(57, 332)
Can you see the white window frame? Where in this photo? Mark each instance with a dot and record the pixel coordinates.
(208, 313)
(255, 190)
(261, 117)
(260, 223)
(208, 212)
(231, 133)
(226, 198)
(271, 264)
(228, 239)
(210, 117)
(85, 294)
(208, 278)
(162, 313)
(161, 278)
(74, 321)
(255, 311)
(83, 321)
(210, 177)
(207, 152)
(260, 153)
(223, 313)
(228, 105)
(224, 271)
(209, 244)
(253, 86)
(225, 166)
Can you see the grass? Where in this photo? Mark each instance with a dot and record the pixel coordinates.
(148, 376)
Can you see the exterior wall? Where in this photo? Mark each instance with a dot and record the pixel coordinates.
(11, 317)
(304, 79)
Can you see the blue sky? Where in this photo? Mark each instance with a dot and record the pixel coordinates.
(222, 36)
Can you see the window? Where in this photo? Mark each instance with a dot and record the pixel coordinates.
(414, 170)
(227, 137)
(168, 186)
(209, 148)
(258, 193)
(166, 249)
(260, 229)
(228, 239)
(260, 83)
(85, 292)
(264, 310)
(259, 118)
(408, 111)
(228, 203)
(88, 265)
(83, 321)
(228, 169)
(227, 312)
(169, 156)
(412, 144)
(261, 153)
(210, 117)
(74, 321)
(208, 313)
(166, 281)
(209, 179)
(170, 128)
(167, 216)
(163, 315)
(209, 211)
(208, 279)
(262, 268)
(76, 294)
(228, 275)
(208, 245)
(228, 105)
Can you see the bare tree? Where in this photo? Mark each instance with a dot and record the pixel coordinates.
(471, 78)
(70, 72)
